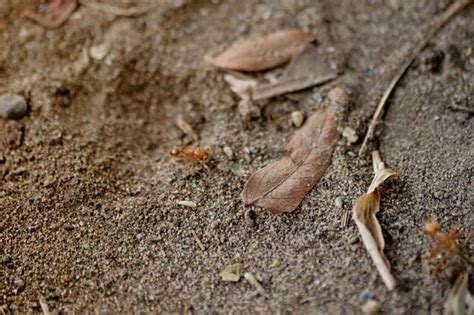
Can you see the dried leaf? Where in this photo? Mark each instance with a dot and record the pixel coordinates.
(281, 186)
(307, 69)
(369, 228)
(262, 53)
(57, 13)
(231, 273)
(456, 302)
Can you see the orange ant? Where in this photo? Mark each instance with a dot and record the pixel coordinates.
(193, 155)
(444, 242)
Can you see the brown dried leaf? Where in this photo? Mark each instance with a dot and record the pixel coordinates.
(281, 186)
(265, 52)
(365, 209)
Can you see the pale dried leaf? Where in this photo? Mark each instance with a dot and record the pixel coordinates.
(365, 210)
(242, 86)
(281, 185)
(265, 52)
(456, 302)
(231, 273)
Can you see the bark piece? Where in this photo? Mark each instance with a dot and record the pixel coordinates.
(281, 185)
(265, 52)
(369, 228)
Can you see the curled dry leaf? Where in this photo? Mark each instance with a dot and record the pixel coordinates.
(265, 52)
(281, 185)
(369, 228)
(57, 13)
(456, 302)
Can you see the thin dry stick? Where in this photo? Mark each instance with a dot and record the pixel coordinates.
(117, 11)
(198, 241)
(44, 306)
(452, 11)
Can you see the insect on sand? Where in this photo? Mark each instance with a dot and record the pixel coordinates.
(197, 155)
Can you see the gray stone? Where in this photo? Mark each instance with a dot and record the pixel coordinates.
(12, 106)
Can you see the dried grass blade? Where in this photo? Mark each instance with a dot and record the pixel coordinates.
(365, 210)
(455, 304)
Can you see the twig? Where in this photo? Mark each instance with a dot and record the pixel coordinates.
(251, 279)
(452, 11)
(198, 241)
(117, 11)
(44, 306)
(291, 85)
(185, 127)
(462, 108)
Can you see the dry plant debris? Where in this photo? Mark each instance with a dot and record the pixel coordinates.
(456, 302)
(306, 70)
(291, 85)
(57, 13)
(365, 210)
(264, 52)
(444, 242)
(451, 12)
(185, 127)
(231, 273)
(281, 185)
(241, 85)
(127, 12)
(254, 282)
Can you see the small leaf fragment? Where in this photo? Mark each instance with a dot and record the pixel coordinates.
(456, 302)
(365, 209)
(57, 13)
(265, 52)
(281, 185)
(241, 85)
(231, 273)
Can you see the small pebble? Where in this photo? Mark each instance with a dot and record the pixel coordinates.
(338, 202)
(438, 195)
(297, 118)
(19, 285)
(317, 97)
(98, 52)
(228, 151)
(350, 135)
(275, 264)
(365, 296)
(372, 307)
(12, 106)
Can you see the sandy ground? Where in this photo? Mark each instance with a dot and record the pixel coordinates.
(89, 215)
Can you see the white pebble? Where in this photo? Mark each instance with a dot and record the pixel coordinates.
(297, 118)
(228, 151)
(338, 202)
(350, 135)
